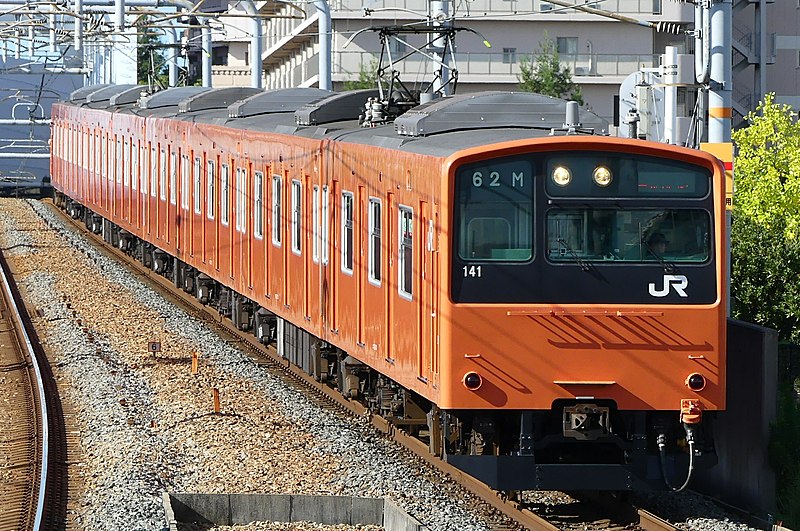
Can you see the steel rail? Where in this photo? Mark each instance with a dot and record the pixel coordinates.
(13, 304)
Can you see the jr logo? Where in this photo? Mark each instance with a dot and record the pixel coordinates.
(678, 282)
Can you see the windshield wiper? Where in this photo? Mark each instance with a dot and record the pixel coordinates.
(581, 261)
(669, 267)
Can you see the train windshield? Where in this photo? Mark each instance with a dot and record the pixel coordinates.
(631, 235)
(496, 211)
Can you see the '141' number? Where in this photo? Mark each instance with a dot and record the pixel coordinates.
(472, 271)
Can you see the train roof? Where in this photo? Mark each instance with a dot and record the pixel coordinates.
(437, 128)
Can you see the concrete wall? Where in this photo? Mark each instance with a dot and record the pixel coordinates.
(232, 509)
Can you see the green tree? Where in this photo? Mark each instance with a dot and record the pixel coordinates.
(765, 265)
(151, 63)
(546, 75)
(766, 226)
(367, 77)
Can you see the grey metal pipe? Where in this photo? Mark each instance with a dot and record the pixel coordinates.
(325, 29)
(78, 25)
(119, 15)
(702, 43)
(256, 33)
(205, 31)
(172, 61)
(51, 21)
(24, 155)
(720, 93)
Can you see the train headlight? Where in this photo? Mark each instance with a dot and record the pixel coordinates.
(562, 176)
(696, 382)
(472, 381)
(602, 176)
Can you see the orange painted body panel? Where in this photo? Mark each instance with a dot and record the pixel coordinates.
(638, 355)
(527, 354)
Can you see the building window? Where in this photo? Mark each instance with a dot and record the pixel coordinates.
(224, 190)
(398, 48)
(375, 241)
(241, 200)
(509, 56)
(567, 47)
(347, 232)
(276, 210)
(211, 200)
(219, 56)
(296, 216)
(258, 206)
(197, 182)
(406, 251)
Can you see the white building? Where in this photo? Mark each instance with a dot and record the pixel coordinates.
(600, 51)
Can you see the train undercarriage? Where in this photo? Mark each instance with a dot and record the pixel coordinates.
(575, 445)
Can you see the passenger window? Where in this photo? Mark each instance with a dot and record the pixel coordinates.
(347, 232)
(224, 175)
(375, 240)
(406, 252)
(296, 216)
(258, 207)
(210, 198)
(197, 181)
(276, 210)
(163, 183)
(173, 178)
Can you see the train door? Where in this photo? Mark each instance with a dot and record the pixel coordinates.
(313, 269)
(210, 226)
(426, 308)
(172, 206)
(197, 208)
(308, 244)
(347, 291)
(118, 178)
(324, 251)
(275, 254)
(247, 231)
(152, 201)
(126, 179)
(359, 242)
(433, 286)
(374, 307)
(183, 221)
(391, 230)
(161, 211)
(404, 324)
(258, 265)
(333, 245)
(236, 254)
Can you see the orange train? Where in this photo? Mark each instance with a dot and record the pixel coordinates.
(544, 304)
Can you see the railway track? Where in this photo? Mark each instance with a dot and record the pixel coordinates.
(520, 515)
(31, 426)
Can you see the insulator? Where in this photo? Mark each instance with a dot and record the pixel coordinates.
(669, 27)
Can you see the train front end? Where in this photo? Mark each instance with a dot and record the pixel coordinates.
(583, 341)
